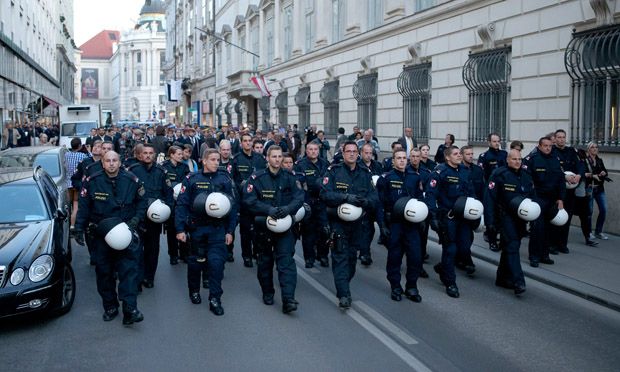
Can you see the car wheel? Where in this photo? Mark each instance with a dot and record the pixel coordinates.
(67, 292)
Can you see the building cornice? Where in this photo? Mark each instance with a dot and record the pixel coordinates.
(4, 40)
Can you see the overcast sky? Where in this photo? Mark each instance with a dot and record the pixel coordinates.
(92, 16)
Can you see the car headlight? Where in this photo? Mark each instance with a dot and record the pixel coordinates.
(41, 268)
(17, 276)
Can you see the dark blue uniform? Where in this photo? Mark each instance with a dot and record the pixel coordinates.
(504, 185)
(550, 187)
(227, 167)
(387, 165)
(339, 183)
(264, 192)
(104, 197)
(569, 161)
(428, 164)
(176, 248)
(157, 186)
(445, 186)
(207, 234)
(490, 160)
(376, 169)
(463, 257)
(313, 229)
(425, 175)
(242, 167)
(404, 236)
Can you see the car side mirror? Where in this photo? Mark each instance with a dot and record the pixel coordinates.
(61, 214)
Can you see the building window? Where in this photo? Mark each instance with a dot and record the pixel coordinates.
(242, 44)
(264, 104)
(424, 4)
(331, 106)
(162, 79)
(338, 20)
(282, 106)
(288, 32)
(228, 58)
(365, 93)
(375, 13)
(255, 45)
(595, 75)
(487, 77)
(219, 65)
(138, 57)
(139, 78)
(302, 100)
(269, 35)
(162, 58)
(309, 24)
(414, 85)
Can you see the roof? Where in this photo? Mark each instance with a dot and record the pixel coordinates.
(100, 45)
(153, 6)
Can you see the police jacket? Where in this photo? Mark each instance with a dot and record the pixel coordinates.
(340, 181)
(175, 173)
(92, 168)
(243, 166)
(569, 160)
(387, 164)
(156, 182)
(265, 190)
(490, 160)
(186, 218)
(445, 186)
(103, 196)
(504, 185)
(374, 167)
(313, 174)
(547, 174)
(76, 178)
(477, 179)
(226, 167)
(423, 172)
(429, 164)
(396, 184)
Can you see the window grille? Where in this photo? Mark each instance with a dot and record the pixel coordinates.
(414, 84)
(302, 100)
(282, 105)
(331, 106)
(264, 104)
(365, 93)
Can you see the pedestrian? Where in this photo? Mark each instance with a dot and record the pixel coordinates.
(448, 142)
(114, 193)
(506, 184)
(416, 166)
(208, 234)
(176, 171)
(73, 157)
(323, 144)
(368, 139)
(425, 161)
(583, 196)
(407, 141)
(341, 138)
(277, 194)
(598, 175)
(314, 229)
(10, 135)
(225, 165)
(447, 184)
(404, 236)
(351, 184)
(158, 187)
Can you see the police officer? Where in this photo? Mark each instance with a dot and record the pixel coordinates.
(490, 160)
(97, 166)
(277, 194)
(176, 171)
(348, 183)
(244, 164)
(387, 162)
(404, 237)
(157, 186)
(209, 235)
(505, 184)
(415, 165)
(225, 165)
(447, 183)
(570, 162)
(114, 192)
(376, 169)
(314, 230)
(546, 171)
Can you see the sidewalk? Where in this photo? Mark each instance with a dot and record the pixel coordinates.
(589, 272)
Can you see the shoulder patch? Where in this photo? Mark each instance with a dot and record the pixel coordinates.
(250, 188)
(325, 180)
(141, 191)
(433, 183)
(491, 185)
(84, 192)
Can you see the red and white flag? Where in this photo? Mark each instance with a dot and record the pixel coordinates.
(261, 84)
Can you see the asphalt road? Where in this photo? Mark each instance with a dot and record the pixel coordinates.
(487, 329)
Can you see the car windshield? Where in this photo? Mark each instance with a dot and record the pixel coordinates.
(24, 204)
(49, 162)
(80, 129)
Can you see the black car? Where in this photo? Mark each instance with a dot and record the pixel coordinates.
(35, 253)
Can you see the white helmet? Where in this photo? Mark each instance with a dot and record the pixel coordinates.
(280, 225)
(560, 218)
(158, 211)
(526, 209)
(302, 212)
(217, 205)
(375, 178)
(480, 228)
(415, 211)
(469, 208)
(115, 232)
(349, 212)
(567, 175)
(176, 190)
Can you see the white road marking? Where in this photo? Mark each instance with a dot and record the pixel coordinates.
(393, 328)
(403, 354)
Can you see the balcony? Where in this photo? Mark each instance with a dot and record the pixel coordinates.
(239, 85)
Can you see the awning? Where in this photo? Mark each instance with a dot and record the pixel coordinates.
(50, 102)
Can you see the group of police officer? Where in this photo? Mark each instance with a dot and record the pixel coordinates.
(330, 207)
